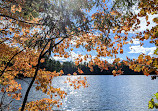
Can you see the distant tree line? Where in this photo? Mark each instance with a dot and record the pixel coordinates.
(69, 67)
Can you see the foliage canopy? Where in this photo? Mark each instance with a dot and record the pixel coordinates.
(30, 30)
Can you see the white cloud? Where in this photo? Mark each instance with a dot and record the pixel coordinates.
(73, 42)
(135, 41)
(141, 49)
(72, 57)
(61, 59)
(143, 22)
(76, 55)
(110, 60)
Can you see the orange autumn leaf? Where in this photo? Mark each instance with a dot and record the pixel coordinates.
(74, 73)
(113, 12)
(80, 71)
(61, 71)
(42, 60)
(26, 34)
(114, 72)
(121, 51)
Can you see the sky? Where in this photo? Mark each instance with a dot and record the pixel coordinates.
(131, 50)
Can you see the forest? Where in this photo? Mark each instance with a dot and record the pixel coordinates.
(69, 67)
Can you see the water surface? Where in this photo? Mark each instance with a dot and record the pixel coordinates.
(105, 92)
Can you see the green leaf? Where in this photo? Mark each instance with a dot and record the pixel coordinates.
(151, 104)
(156, 95)
(156, 51)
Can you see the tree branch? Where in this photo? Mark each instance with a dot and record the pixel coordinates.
(54, 46)
(36, 72)
(2, 72)
(33, 79)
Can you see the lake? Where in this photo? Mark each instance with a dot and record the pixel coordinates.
(105, 92)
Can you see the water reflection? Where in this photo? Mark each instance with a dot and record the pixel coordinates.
(121, 93)
(113, 93)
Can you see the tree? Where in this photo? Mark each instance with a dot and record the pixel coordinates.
(22, 35)
(31, 30)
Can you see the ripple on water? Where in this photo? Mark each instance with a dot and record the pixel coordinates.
(108, 93)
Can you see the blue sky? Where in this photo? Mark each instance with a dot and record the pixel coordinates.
(131, 50)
